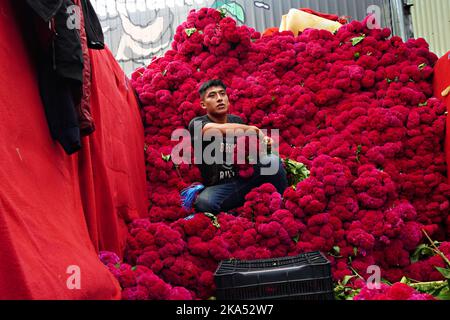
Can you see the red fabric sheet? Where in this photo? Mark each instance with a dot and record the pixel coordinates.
(112, 159)
(441, 82)
(49, 202)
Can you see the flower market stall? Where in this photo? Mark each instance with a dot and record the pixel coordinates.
(362, 118)
(356, 107)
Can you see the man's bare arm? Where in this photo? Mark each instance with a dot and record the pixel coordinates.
(227, 127)
(238, 129)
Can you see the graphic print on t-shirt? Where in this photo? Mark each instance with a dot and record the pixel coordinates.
(215, 173)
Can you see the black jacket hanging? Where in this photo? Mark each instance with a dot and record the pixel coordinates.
(46, 9)
(57, 94)
(60, 69)
(68, 52)
(94, 31)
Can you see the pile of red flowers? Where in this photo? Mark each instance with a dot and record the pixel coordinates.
(355, 107)
(398, 291)
(140, 283)
(425, 269)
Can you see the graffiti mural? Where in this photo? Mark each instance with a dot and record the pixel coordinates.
(232, 8)
(138, 30)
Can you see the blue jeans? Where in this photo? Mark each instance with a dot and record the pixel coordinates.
(230, 195)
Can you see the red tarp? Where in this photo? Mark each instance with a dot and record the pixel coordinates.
(112, 159)
(46, 197)
(441, 82)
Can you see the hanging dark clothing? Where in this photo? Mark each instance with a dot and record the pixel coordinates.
(60, 70)
(68, 53)
(94, 31)
(64, 68)
(57, 95)
(46, 9)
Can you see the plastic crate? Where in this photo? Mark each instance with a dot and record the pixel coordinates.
(303, 277)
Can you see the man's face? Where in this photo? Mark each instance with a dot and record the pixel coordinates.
(215, 101)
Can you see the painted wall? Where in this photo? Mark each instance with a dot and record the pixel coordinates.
(137, 30)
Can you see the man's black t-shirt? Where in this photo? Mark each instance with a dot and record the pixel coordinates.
(215, 173)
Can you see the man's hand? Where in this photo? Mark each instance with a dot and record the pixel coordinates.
(265, 139)
(268, 140)
(239, 128)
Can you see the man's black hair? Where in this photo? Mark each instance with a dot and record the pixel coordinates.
(209, 84)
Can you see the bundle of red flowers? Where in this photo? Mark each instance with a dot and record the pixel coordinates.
(355, 107)
(140, 283)
(398, 291)
(425, 269)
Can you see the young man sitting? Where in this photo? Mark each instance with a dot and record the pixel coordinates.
(225, 190)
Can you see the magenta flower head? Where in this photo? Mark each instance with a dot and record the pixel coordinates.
(109, 258)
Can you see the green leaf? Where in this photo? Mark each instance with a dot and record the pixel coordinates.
(357, 55)
(117, 265)
(190, 31)
(166, 158)
(134, 268)
(434, 288)
(423, 104)
(223, 12)
(422, 251)
(297, 172)
(164, 73)
(404, 280)
(355, 251)
(337, 249)
(342, 292)
(296, 239)
(444, 294)
(445, 272)
(422, 66)
(347, 279)
(358, 40)
(213, 218)
(273, 98)
(358, 152)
